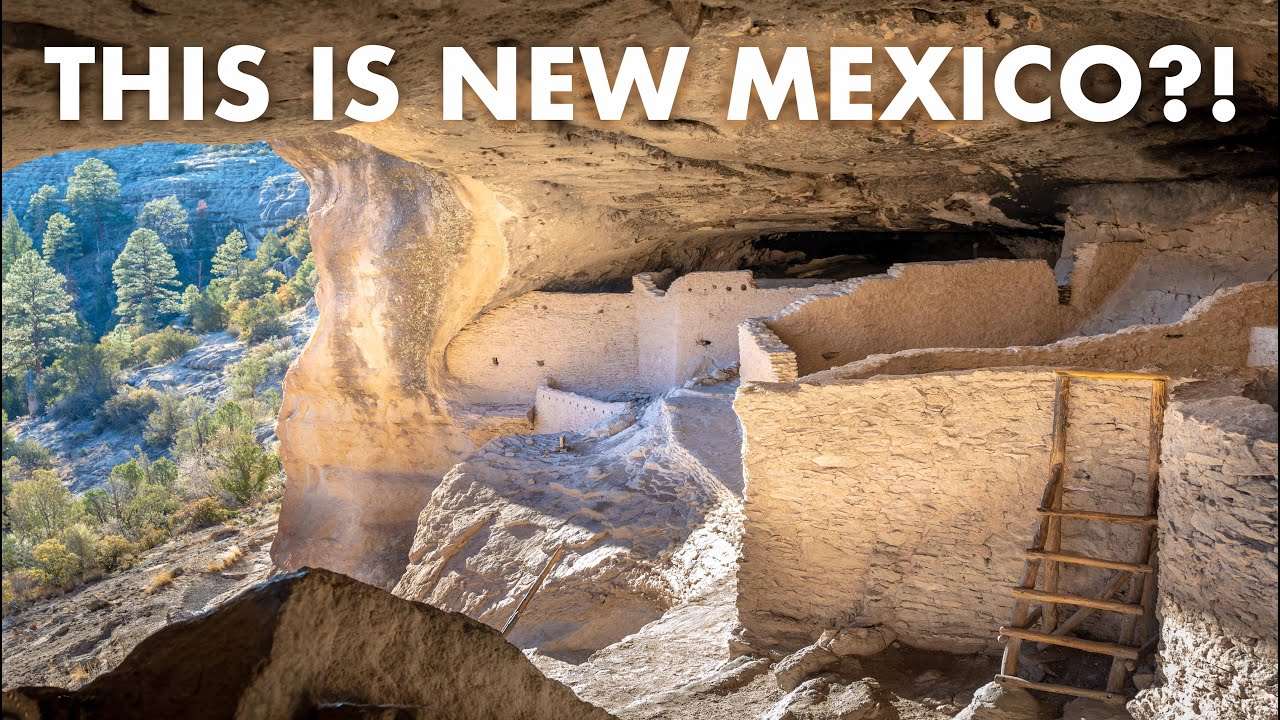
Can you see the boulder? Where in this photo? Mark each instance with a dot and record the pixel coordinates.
(825, 698)
(794, 669)
(861, 641)
(316, 644)
(1086, 709)
(996, 702)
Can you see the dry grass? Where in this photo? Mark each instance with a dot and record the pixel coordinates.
(225, 560)
(78, 675)
(159, 580)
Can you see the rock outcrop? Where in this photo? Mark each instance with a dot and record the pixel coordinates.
(316, 644)
(647, 508)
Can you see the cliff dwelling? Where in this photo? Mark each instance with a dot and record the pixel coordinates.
(721, 419)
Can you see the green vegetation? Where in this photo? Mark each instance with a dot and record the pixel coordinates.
(146, 281)
(96, 297)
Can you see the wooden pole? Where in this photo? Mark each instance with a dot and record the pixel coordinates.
(1139, 585)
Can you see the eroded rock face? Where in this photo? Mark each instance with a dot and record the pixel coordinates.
(646, 508)
(303, 643)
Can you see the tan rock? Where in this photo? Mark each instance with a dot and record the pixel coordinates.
(994, 702)
(862, 641)
(794, 669)
(313, 642)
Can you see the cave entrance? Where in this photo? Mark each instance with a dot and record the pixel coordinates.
(838, 255)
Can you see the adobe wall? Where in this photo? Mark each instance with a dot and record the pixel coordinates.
(910, 501)
(1193, 238)
(649, 339)
(558, 411)
(585, 341)
(1218, 331)
(705, 309)
(977, 303)
(1217, 560)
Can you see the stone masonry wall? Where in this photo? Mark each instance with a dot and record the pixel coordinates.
(557, 411)
(763, 357)
(1193, 239)
(1217, 563)
(649, 339)
(584, 341)
(1218, 331)
(910, 501)
(978, 303)
(705, 309)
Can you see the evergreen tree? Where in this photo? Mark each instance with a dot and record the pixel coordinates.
(38, 320)
(146, 281)
(229, 261)
(166, 218)
(61, 243)
(94, 196)
(42, 205)
(271, 250)
(16, 242)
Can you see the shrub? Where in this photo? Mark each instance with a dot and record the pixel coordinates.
(225, 560)
(202, 513)
(152, 537)
(246, 376)
(115, 552)
(130, 406)
(82, 379)
(56, 560)
(10, 597)
(31, 455)
(164, 424)
(17, 552)
(205, 308)
(160, 580)
(166, 345)
(245, 468)
(40, 507)
(83, 541)
(258, 320)
(231, 416)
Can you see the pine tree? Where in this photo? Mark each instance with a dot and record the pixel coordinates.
(166, 218)
(229, 261)
(38, 320)
(16, 242)
(94, 196)
(42, 205)
(146, 281)
(61, 243)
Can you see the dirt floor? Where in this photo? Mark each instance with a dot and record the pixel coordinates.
(671, 669)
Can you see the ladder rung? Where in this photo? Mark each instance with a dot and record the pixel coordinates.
(1011, 681)
(1081, 600)
(1093, 646)
(1103, 516)
(1076, 559)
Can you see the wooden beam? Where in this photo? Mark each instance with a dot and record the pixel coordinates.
(1099, 516)
(1080, 600)
(1140, 587)
(1083, 613)
(1109, 375)
(1077, 559)
(1107, 697)
(1093, 646)
(1058, 461)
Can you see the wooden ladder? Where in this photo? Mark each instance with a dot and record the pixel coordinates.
(1047, 552)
